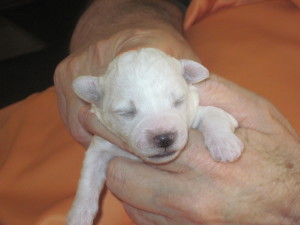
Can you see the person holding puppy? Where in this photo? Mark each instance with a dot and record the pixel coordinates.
(257, 52)
(261, 188)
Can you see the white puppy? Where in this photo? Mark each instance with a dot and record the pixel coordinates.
(147, 98)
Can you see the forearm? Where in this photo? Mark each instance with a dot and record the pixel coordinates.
(104, 18)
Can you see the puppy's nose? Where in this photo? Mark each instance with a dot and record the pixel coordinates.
(164, 140)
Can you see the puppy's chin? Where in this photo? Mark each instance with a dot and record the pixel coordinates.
(161, 158)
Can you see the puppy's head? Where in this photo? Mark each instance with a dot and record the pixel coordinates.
(146, 98)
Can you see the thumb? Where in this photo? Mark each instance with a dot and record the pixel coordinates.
(144, 187)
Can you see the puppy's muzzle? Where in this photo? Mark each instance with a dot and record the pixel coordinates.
(165, 142)
(159, 139)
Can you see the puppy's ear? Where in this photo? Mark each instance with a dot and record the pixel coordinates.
(87, 88)
(193, 72)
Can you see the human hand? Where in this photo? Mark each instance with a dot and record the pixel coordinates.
(90, 60)
(262, 187)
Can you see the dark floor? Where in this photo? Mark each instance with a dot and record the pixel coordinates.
(34, 37)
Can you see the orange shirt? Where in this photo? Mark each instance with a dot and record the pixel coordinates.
(255, 45)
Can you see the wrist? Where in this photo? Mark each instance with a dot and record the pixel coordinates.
(293, 212)
(105, 18)
(163, 39)
(290, 189)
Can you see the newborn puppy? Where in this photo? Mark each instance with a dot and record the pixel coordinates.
(147, 98)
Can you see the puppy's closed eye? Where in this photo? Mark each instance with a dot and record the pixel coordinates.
(179, 101)
(126, 113)
(126, 110)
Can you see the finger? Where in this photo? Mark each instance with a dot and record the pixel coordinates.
(220, 92)
(92, 124)
(76, 129)
(69, 105)
(61, 98)
(140, 185)
(62, 104)
(158, 190)
(250, 110)
(141, 217)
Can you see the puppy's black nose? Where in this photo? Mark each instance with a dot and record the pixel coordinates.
(164, 140)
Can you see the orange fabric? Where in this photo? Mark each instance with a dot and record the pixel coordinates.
(255, 45)
(40, 165)
(200, 8)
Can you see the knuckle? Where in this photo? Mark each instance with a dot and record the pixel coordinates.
(60, 69)
(78, 132)
(267, 108)
(66, 67)
(61, 77)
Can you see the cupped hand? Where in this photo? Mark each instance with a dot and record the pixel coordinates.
(262, 187)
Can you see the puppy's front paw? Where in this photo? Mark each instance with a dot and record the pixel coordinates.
(225, 147)
(80, 216)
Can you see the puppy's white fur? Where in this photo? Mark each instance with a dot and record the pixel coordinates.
(147, 98)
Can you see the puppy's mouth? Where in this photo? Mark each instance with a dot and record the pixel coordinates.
(162, 155)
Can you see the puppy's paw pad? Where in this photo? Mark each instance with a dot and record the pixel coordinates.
(225, 148)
